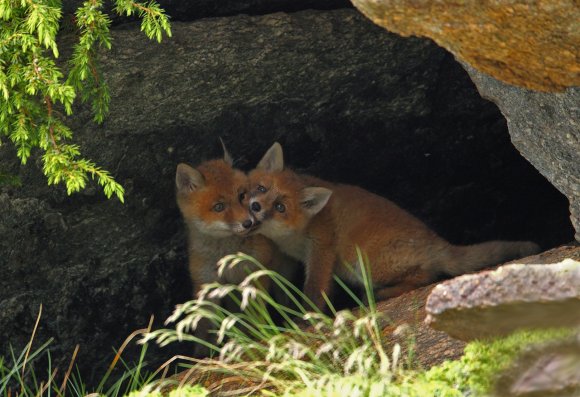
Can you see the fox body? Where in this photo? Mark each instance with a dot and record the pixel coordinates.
(210, 200)
(322, 224)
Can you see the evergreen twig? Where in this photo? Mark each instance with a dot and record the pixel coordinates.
(36, 95)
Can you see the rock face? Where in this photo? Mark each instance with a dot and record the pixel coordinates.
(534, 46)
(347, 100)
(528, 44)
(495, 303)
(109, 277)
(187, 10)
(545, 129)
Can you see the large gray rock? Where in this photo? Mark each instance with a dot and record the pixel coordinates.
(496, 303)
(545, 128)
(348, 102)
(254, 80)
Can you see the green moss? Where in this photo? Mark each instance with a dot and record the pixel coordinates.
(9, 180)
(482, 361)
(472, 375)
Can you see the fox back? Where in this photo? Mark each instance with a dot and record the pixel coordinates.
(322, 224)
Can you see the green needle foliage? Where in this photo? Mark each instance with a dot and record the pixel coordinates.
(37, 95)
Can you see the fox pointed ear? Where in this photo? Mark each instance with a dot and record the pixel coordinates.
(273, 160)
(314, 199)
(227, 156)
(188, 179)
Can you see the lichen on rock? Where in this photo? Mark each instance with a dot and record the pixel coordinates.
(529, 44)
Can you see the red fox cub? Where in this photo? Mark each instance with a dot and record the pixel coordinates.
(321, 224)
(210, 200)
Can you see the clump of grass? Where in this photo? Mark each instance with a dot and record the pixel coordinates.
(19, 377)
(318, 355)
(16, 379)
(311, 354)
(310, 350)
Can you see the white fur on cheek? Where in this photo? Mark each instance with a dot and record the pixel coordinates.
(216, 229)
(273, 228)
(290, 241)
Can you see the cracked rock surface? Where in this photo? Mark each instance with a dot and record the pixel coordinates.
(495, 303)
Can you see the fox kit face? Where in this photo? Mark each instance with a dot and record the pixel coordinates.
(279, 199)
(210, 198)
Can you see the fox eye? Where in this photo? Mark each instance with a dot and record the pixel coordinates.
(241, 197)
(261, 189)
(280, 207)
(219, 207)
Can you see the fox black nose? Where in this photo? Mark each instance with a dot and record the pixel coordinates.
(247, 223)
(256, 207)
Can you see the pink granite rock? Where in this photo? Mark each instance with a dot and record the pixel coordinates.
(495, 303)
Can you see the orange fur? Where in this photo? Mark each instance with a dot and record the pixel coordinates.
(323, 223)
(214, 232)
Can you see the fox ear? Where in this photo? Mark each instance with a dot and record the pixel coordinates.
(314, 199)
(188, 179)
(273, 160)
(227, 156)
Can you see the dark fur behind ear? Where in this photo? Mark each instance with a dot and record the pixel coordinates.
(188, 179)
(273, 160)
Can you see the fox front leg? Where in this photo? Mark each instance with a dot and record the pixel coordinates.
(319, 271)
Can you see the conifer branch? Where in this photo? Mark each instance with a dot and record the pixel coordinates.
(32, 86)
